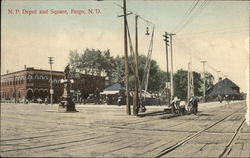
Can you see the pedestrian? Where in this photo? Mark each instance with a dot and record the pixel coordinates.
(227, 98)
(194, 104)
(220, 98)
(119, 100)
(46, 101)
(174, 105)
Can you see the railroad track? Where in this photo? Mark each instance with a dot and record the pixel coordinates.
(229, 145)
(225, 151)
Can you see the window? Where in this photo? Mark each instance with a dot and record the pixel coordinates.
(29, 78)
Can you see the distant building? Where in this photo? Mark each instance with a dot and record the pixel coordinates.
(32, 84)
(225, 87)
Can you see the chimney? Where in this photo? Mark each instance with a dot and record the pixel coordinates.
(25, 67)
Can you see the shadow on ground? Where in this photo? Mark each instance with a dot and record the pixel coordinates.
(199, 114)
(153, 113)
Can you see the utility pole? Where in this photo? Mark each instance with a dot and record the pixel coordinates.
(191, 75)
(204, 79)
(166, 42)
(14, 83)
(128, 109)
(51, 88)
(188, 94)
(135, 98)
(171, 56)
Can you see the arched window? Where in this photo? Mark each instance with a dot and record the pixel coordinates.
(29, 78)
(55, 80)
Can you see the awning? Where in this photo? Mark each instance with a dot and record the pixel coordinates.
(109, 92)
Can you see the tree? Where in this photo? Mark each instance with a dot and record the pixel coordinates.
(74, 59)
(157, 77)
(119, 69)
(180, 84)
(209, 79)
(92, 61)
(181, 79)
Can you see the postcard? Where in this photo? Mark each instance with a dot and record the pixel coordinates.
(124, 78)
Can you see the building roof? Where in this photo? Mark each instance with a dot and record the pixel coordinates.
(224, 87)
(31, 69)
(114, 87)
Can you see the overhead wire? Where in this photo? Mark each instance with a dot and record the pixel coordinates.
(187, 16)
(198, 58)
(183, 18)
(148, 61)
(192, 16)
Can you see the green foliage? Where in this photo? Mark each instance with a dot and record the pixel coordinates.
(101, 62)
(181, 79)
(119, 69)
(180, 84)
(92, 61)
(209, 79)
(157, 77)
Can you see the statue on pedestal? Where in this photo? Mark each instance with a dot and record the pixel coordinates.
(66, 104)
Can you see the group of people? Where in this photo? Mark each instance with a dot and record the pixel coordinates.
(177, 105)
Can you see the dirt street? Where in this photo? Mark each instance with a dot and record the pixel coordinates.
(102, 130)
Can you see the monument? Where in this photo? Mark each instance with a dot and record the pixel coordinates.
(66, 104)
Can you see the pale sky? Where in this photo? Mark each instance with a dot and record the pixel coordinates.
(217, 32)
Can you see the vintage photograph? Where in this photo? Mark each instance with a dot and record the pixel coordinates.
(125, 78)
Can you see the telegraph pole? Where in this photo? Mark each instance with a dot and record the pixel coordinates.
(188, 94)
(14, 83)
(166, 42)
(204, 83)
(128, 109)
(135, 98)
(51, 88)
(171, 56)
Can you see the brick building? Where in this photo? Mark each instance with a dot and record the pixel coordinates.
(30, 84)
